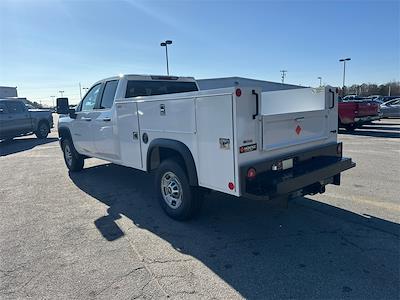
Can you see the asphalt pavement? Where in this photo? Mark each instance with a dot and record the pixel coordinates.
(100, 233)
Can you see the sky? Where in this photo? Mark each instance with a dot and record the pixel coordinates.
(52, 45)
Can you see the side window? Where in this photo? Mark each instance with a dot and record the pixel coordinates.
(109, 93)
(15, 107)
(90, 99)
(3, 108)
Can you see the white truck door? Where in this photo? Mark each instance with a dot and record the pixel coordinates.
(128, 134)
(216, 162)
(82, 134)
(103, 125)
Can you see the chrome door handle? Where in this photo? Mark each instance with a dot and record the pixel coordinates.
(86, 119)
(106, 119)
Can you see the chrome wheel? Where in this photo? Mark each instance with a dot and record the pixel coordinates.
(68, 154)
(171, 190)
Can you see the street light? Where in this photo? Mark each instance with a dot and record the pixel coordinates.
(165, 44)
(344, 71)
(320, 81)
(61, 93)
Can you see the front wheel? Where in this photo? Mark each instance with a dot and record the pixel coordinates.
(72, 158)
(177, 198)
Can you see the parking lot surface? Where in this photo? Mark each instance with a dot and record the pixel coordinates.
(101, 234)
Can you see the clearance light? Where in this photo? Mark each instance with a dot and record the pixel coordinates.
(238, 92)
(251, 173)
(231, 186)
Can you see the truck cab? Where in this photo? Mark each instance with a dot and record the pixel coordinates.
(237, 140)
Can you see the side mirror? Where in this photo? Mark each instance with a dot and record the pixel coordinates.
(72, 113)
(62, 106)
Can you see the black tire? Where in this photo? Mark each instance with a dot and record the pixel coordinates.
(43, 130)
(72, 158)
(187, 199)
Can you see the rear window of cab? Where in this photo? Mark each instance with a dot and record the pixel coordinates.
(136, 88)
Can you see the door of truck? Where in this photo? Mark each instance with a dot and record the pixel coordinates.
(295, 117)
(82, 132)
(103, 124)
(18, 118)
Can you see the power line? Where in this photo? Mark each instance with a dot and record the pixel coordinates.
(283, 75)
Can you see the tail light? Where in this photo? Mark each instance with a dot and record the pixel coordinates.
(251, 173)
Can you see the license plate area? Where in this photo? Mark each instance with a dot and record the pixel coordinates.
(287, 164)
(282, 165)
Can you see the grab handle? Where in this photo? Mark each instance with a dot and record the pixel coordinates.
(256, 114)
(333, 99)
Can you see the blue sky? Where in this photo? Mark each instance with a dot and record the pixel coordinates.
(52, 45)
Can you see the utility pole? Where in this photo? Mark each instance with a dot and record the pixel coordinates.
(61, 93)
(320, 81)
(165, 44)
(283, 72)
(52, 100)
(343, 60)
(80, 91)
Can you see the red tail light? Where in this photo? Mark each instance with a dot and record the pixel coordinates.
(251, 173)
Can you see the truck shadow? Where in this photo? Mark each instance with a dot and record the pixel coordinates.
(22, 144)
(374, 132)
(310, 250)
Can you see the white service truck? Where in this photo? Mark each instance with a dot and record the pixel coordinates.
(236, 140)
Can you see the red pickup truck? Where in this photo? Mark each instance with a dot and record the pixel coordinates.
(354, 113)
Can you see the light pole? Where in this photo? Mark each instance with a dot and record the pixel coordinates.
(283, 75)
(61, 93)
(344, 71)
(165, 44)
(320, 81)
(52, 100)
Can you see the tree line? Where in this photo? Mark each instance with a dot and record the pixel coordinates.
(368, 89)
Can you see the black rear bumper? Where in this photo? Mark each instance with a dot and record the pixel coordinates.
(311, 171)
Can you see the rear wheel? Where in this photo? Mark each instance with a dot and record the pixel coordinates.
(178, 199)
(42, 130)
(72, 158)
(350, 127)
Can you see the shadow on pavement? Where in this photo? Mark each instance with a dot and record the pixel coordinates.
(310, 250)
(22, 144)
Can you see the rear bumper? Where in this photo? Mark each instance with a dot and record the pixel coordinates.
(311, 172)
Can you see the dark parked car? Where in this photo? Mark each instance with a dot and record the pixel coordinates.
(17, 120)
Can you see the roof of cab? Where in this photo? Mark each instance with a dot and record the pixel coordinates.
(149, 77)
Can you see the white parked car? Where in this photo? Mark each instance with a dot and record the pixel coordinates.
(391, 109)
(236, 140)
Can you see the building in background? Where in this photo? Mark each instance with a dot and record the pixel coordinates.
(8, 91)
